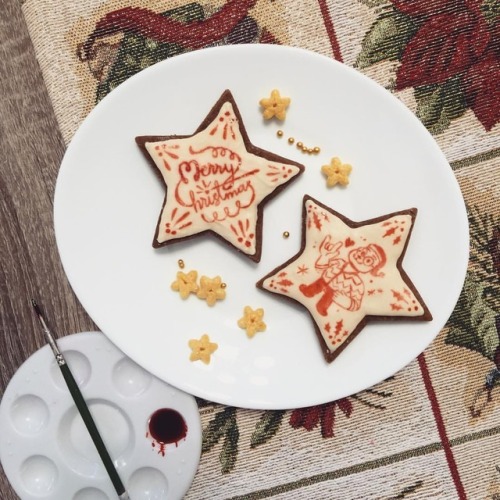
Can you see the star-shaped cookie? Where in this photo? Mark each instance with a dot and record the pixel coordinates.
(275, 105)
(348, 273)
(202, 349)
(336, 173)
(216, 180)
(252, 321)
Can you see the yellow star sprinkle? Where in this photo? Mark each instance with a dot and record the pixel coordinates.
(336, 172)
(202, 349)
(252, 321)
(275, 106)
(211, 290)
(185, 283)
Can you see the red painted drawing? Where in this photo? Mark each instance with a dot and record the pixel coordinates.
(341, 281)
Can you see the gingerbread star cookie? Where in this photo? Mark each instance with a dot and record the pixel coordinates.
(348, 273)
(216, 180)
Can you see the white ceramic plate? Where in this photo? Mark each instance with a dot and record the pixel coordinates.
(46, 451)
(108, 199)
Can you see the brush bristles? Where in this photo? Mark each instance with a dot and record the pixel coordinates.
(35, 307)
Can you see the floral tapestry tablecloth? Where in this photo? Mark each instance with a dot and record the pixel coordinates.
(433, 429)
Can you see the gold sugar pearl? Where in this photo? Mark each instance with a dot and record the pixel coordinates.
(223, 285)
(300, 145)
(181, 263)
(286, 234)
(308, 150)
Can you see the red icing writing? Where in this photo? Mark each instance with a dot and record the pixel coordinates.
(212, 183)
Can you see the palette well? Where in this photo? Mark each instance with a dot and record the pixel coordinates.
(151, 430)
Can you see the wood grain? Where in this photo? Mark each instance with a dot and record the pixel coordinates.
(31, 151)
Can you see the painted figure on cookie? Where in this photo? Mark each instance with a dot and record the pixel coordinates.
(341, 281)
(349, 273)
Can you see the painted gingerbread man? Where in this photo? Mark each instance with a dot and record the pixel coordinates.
(341, 280)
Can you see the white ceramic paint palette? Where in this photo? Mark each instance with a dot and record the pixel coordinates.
(46, 451)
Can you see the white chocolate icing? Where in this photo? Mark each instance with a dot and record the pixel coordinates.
(214, 183)
(345, 273)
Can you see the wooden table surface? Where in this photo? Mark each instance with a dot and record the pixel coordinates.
(31, 152)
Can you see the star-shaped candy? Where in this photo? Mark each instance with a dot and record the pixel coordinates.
(275, 105)
(211, 290)
(202, 349)
(336, 173)
(355, 274)
(185, 283)
(252, 321)
(216, 180)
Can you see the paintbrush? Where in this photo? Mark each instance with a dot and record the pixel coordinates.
(82, 407)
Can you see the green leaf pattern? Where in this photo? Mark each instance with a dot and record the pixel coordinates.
(472, 325)
(386, 39)
(438, 105)
(267, 426)
(137, 52)
(224, 426)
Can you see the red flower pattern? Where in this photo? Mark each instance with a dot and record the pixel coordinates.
(454, 38)
(310, 417)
